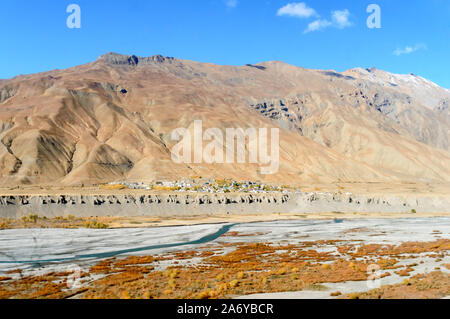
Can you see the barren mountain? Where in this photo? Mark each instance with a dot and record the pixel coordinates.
(112, 120)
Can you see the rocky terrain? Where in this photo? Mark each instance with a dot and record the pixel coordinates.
(112, 119)
(189, 205)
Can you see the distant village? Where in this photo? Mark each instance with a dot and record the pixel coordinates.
(201, 186)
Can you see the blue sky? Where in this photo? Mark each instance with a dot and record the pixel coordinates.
(325, 34)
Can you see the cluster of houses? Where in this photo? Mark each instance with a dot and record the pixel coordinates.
(206, 186)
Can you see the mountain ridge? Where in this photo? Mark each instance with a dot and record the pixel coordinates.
(111, 119)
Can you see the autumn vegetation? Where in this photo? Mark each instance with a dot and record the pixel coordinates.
(231, 269)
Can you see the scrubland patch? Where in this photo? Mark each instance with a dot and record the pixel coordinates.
(424, 286)
(233, 269)
(69, 221)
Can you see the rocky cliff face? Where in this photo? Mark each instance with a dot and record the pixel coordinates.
(207, 205)
(142, 205)
(111, 120)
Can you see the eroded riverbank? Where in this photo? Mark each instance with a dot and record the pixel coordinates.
(199, 204)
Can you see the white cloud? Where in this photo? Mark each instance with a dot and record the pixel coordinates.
(297, 9)
(318, 25)
(410, 49)
(340, 18)
(231, 3)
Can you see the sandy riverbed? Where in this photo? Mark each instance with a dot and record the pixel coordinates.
(38, 252)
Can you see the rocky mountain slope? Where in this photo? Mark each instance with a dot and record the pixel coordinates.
(112, 120)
